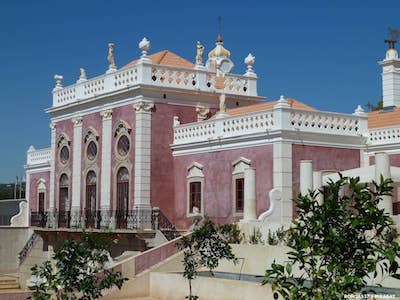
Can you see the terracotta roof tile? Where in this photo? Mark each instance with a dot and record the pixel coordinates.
(267, 105)
(165, 58)
(378, 119)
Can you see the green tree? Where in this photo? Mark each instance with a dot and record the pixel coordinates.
(338, 245)
(80, 271)
(204, 248)
(374, 107)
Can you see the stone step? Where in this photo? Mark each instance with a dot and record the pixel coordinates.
(9, 283)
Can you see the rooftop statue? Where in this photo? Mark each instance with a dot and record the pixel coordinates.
(200, 52)
(110, 57)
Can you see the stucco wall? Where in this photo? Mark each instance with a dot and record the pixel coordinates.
(217, 169)
(12, 242)
(33, 189)
(162, 163)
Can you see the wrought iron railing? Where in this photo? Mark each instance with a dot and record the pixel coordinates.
(27, 248)
(161, 222)
(91, 218)
(396, 208)
(39, 219)
(137, 218)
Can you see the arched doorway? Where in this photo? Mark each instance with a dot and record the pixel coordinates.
(122, 207)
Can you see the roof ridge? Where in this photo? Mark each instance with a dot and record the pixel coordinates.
(163, 56)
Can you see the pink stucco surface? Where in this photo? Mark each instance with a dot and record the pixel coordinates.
(33, 191)
(323, 158)
(218, 190)
(162, 162)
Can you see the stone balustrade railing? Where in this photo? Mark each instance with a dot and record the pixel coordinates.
(269, 121)
(156, 75)
(38, 157)
(383, 136)
(223, 128)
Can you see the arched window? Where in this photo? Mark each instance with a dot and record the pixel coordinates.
(123, 190)
(64, 200)
(91, 191)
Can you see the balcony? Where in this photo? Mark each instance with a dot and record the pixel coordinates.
(118, 221)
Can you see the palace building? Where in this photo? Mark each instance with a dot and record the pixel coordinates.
(164, 136)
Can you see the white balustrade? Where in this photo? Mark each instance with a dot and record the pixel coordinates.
(271, 121)
(38, 157)
(383, 136)
(327, 123)
(223, 128)
(157, 75)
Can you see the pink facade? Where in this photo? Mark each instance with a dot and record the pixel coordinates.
(218, 189)
(34, 180)
(162, 163)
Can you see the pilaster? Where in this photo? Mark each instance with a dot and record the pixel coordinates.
(52, 176)
(76, 171)
(142, 152)
(143, 159)
(282, 176)
(105, 192)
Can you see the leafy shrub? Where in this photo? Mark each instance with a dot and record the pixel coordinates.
(204, 248)
(338, 244)
(256, 237)
(80, 271)
(231, 233)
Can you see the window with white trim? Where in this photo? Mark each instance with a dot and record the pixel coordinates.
(238, 183)
(195, 189)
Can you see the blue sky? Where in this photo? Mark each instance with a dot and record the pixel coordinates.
(323, 53)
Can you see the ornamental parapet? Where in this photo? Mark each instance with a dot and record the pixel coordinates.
(145, 73)
(40, 157)
(384, 136)
(279, 119)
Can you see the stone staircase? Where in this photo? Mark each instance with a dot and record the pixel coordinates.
(8, 283)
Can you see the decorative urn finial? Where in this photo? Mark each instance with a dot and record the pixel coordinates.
(58, 79)
(250, 60)
(144, 45)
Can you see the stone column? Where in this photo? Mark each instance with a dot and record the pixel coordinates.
(317, 185)
(105, 189)
(50, 210)
(250, 201)
(306, 176)
(282, 175)
(143, 162)
(382, 167)
(76, 171)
